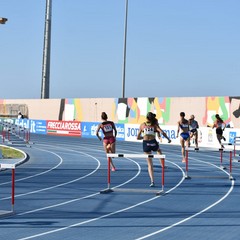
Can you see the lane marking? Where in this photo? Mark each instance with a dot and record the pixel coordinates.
(109, 214)
(196, 214)
(39, 174)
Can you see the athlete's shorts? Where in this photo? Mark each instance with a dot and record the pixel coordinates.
(109, 140)
(193, 130)
(150, 145)
(219, 131)
(185, 135)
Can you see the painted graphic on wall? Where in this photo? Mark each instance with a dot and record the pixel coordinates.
(216, 105)
(134, 110)
(70, 109)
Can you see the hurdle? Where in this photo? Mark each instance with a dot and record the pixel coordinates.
(15, 134)
(186, 163)
(11, 166)
(236, 142)
(120, 155)
(187, 150)
(221, 150)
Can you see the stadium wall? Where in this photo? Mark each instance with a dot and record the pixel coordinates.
(126, 110)
(80, 116)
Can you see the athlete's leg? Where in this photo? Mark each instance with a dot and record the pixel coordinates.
(182, 142)
(150, 169)
(219, 138)
(108, 150)
(159, 151)
(196, 139)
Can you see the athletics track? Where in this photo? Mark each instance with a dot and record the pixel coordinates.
(57, 194)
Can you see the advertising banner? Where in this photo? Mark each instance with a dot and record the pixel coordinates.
(131, 132)
(34, 126)
(69, 128)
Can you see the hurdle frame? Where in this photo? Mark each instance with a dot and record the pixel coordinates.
(11, 166)
(235, 143)
(221, 150)
(126, 155)
(186, 164)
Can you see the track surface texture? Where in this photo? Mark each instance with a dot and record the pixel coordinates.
(57, 194)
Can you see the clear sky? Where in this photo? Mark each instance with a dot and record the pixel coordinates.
(175, 48)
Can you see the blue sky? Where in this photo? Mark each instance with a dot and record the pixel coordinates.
(175, 48)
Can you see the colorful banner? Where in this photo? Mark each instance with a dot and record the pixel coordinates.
(69, 128)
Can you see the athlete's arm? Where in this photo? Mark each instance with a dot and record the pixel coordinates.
(115, 130)
(159, 130)
(139, 136)
(97, 132)
(178, 128)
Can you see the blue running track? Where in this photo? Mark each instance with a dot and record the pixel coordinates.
(58, 194)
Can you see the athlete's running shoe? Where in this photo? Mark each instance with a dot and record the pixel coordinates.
(152, 184)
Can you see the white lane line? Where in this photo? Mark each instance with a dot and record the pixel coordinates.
(65, 183)
(196, 214)
(39, 174)
(85, 197)
(109, 214)
(91, 195)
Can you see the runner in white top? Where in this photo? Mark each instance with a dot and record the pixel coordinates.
(193, 126)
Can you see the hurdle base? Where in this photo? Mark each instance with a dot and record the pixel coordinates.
(231, 178)
(223, 168)
(161, 192)
(107, 190)
(4, 213)
(187, 177)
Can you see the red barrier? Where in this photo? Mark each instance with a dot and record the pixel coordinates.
(109, 172)
(13, 188)
(186, 158)
(163, 172)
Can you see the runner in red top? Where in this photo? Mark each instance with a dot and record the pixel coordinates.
(109, 140)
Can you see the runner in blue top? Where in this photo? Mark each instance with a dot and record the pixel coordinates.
(183, 126)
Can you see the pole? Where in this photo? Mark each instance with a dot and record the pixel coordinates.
(46, 51)
(163, 172)
(124, 50)
(13, 188)
(230, 166)
(109, 172)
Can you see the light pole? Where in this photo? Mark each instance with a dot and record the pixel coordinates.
(3, 20)
(46, 51)
(124, 50)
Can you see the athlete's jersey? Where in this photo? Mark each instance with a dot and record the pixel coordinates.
(193, 124)
(219, 124)
(148, 130)
(183, 126)
(107, 128)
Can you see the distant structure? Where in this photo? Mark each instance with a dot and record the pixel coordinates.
(3, 20)
(46, 51)
(125, 49)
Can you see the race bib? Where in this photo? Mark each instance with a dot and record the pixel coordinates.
(107, 128)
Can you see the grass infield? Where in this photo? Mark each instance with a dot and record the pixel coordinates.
(10, 153)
